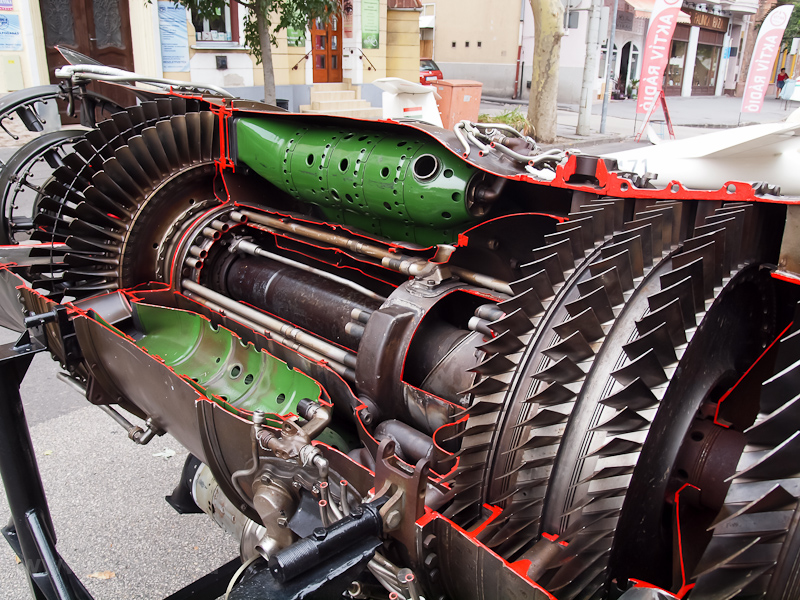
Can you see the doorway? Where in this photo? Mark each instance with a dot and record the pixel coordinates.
(326, 49)
(624, 63)
(97, 28)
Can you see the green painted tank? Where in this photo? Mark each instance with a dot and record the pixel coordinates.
(406, 188)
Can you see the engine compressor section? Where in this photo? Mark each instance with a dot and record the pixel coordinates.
(411, 364)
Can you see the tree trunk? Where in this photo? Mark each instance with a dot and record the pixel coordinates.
(266, 57)
(548, 17)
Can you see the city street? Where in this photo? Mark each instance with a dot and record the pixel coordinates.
(107, 494)
(690, 116)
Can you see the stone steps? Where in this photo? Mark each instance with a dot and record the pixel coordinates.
(340, 99)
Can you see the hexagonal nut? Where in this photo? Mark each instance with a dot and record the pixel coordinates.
(393, 519)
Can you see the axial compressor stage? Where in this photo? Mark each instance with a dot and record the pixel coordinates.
(597, 388)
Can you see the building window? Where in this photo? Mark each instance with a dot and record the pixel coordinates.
(454, 44)
(223, 27)
(479, 44)
(466, 44)
(705, 65)
(602, 70)
(676, 65)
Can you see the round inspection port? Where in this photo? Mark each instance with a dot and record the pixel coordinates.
(426, 167)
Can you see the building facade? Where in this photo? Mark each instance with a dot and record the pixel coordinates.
(369, 39)
(475, 39)
(494, 42)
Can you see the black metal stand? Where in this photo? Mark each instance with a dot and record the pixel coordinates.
(30, 532)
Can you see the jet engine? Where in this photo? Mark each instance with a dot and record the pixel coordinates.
(421, 363)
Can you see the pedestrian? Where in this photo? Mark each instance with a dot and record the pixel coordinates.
(780, 81)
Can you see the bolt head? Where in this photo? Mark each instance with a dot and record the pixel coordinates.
(357, 512)
(393, 519)
(431, 561)
(429, 542)
(320, 533)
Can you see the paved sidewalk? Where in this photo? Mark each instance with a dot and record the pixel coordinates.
(690, 116)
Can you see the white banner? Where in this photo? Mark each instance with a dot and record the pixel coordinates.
(656, 52)
(766, 49)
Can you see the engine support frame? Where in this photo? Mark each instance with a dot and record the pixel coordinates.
(30, 532)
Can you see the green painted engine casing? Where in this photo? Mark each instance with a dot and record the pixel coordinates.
(364, 178)
(216, 362)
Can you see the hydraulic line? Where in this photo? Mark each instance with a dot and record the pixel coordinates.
(391, 260)
(346, 372)
(251, 248)
(327, 349)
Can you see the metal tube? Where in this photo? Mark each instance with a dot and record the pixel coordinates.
(220, 225)
(354, 329)
(407, 578)
(255, 250)
(48, 557)
(122, 421)
(479, 279)
(23, 484)
(344, 488)
(498, 126)
(313, 304)
(360, 315)
(459, 131)
(481, 146)
(104, 73)
(325, 494)
(510, 153)
(323, 513)
(589, 69)
(386, 564)
(325, 348)
(316, 234)
(387, 582)
(609, 56)
(397, 262)
(346, 372)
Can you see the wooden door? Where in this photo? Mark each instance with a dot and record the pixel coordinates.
(98, 28)
(326, 49)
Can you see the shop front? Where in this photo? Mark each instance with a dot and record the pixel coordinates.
(695, 55)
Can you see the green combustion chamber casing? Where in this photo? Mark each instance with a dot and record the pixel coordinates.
(405, 188)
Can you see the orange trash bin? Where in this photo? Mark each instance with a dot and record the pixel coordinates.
(460, 99)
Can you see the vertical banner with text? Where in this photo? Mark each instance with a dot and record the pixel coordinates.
(370, 23)
(656, 52)
(766, 49)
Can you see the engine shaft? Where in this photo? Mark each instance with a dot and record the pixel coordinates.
(317, 304)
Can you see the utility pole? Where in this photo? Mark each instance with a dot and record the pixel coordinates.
(589, 68)
(609, 56)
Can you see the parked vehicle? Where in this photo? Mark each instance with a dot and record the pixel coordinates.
(429, 71)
